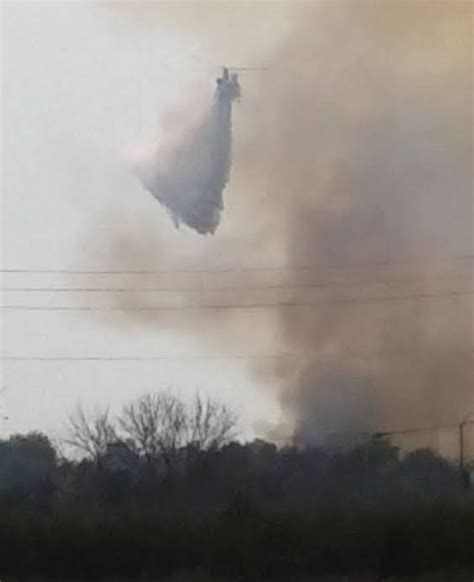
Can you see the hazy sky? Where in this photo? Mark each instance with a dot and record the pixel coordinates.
(355, 146)
(82, 82)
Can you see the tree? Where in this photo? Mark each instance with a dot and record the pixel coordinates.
(91, 433)
(27, 465)
(163, 427)
(211, 425)
(156, 424)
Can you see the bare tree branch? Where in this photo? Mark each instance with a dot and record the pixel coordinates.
(162, 427)
(91, 433)
(156, 423)
(210, 423)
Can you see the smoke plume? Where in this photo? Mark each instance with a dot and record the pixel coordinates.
(353, 157)
(367, 152)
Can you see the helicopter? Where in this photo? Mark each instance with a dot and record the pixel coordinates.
(228, 87)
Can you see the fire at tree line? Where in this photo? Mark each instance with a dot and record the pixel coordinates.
(166, 488)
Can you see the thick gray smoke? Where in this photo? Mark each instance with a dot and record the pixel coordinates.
(190, 183)
(354, 155)
(367, 153)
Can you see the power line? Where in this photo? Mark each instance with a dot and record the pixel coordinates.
(180, 357)
(142, 358)
(386, 433)
(258, 287)
(237, 270)
(230, 357)
(237, 306)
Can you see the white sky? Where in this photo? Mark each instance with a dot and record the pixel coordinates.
(81, 82)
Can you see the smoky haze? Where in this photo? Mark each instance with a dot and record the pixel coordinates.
(353, 155)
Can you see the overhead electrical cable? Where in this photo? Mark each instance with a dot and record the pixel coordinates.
(253, 287)
(237, 270)
(230, 357)
(237, 306)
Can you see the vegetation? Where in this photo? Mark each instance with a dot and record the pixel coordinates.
(164, 489)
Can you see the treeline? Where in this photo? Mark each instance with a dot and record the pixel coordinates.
(165, 488)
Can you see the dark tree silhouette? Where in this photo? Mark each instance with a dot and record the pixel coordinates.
(91, 433)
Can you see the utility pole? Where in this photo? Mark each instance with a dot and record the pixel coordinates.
(462, 461)
(463, 470)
